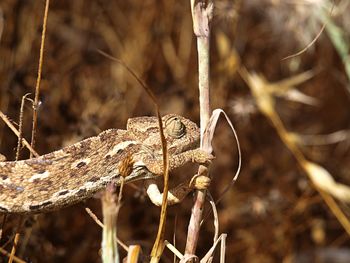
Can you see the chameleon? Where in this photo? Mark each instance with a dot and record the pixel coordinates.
(76, 172)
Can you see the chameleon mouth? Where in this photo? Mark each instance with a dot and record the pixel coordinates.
(140, 172)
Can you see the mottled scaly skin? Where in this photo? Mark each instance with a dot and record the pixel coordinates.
(76, 172)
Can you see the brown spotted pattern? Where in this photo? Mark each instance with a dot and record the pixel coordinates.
(78, 171)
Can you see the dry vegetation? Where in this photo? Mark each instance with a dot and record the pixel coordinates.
(273, 213)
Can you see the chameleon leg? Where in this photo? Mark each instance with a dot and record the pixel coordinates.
(155, 166)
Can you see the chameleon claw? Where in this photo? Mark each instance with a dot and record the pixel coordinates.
(200, 182)
(202, 157)
(2, 158)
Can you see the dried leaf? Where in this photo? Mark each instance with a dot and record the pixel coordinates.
(207, 256)
(298, 96)
(209, 134)
(324, 180)
(322, 139)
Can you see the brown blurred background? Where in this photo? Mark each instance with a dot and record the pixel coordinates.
(272, 213)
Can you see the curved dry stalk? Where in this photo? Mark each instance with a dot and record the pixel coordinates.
(158, 245)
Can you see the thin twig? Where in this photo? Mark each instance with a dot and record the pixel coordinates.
(313, 41)
(159, 242)
(4, 217)
(36, 100)
(20, 127)
(98, 222)
(308, 46)
(15, 259)
(1, 23)
(143, 84)
(16, 239)
(19, 144)
(37, 87)
(16, 132)
(173, 249)
(94, 217)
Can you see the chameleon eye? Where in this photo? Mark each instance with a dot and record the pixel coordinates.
(175, 128)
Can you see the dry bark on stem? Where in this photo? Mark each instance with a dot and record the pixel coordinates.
(110, 213)
(201, 14)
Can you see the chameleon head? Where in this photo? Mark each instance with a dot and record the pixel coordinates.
(181, 133)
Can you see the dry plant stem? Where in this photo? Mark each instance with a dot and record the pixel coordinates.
(201, 16)
(313, 41)
(27, 234)
(223, 249)
(19, 144)
(21, 218)
(109, 236)
(15, 259)
(98, 222)
(133, 254)
(203, 70)
(308, 46)
(16, 239)
(110, 208)
(37, 87)
(20, 126)
(3, 223)
(173, 249)
(1, 23)
(265, 102)
(329, 200)
(158, 245)
(16, 132)
(94, 217)
(35, 110)
(333, 206)
(4, 217)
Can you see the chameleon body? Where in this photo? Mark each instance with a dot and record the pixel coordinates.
(76, 172)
